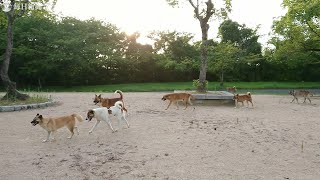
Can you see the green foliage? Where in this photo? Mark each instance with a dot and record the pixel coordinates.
(170, 86)
(34, 98)
(196, 84)
(223, 58)
(65, 51)
(241, 36)
(296, 41)
(239, 53)
(297, 34)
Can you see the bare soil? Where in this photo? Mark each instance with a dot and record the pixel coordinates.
(274, 140)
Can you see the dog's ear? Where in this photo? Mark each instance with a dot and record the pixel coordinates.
(37, 114)
(99, 95)
(95, 95)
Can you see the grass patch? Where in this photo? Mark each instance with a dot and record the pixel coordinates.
(170, 86)
(34, 99)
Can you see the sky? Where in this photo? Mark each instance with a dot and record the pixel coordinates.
(146, 16)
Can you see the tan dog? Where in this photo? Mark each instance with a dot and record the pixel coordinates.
(300, 93)
(176, 97)
(108, 102)
(53, 124)
(232, 90)
(241, 98)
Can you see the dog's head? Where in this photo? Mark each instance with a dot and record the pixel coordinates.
(165, 97)
(97, 99)
(235, 97)
(291, 92)
(36, 120)
(90, 115)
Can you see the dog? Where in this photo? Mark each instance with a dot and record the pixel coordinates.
(300, 93)
(103, 113)
(232, 90)
(241, 98)
(176, 97)
(108, 102)
(53, 124)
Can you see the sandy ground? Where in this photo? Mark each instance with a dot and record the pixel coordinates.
(274, 140)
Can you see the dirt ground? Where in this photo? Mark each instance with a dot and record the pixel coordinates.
(274, 140)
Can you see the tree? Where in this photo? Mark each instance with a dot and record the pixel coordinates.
(12, 13)
(296, 38)
(246, 39)
(203, 11)
(223, 58)
(176, 53)
(298, 32)
(82, 47)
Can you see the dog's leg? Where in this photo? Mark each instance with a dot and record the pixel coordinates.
(110, 126)
(123, 117)
(94, 127)
(52, 135)
(71, 130)
(186, 105)
(48, 137)
(309, 99)
(76, 128)
(293, 99)
(169, 105)
(177, 104)
(119, 121)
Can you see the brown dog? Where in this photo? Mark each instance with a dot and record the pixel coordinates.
(176, 97)
(300, 93)
(241, 98)
(53, 124)
(232, 90)
(108, 102)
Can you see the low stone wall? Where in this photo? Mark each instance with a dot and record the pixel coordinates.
(212, 98)
(26, 106)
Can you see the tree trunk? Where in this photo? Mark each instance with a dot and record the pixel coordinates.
(10, 86)
(221, 78)
(203, 19)
(203, 56)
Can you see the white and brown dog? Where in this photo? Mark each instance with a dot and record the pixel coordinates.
(103, 113)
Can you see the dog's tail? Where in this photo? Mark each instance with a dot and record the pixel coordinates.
(249, 94)
(119, 104)
(78, 117)
(120, 92)
(191, 97)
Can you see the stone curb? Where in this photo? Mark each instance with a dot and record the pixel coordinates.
(26, 106)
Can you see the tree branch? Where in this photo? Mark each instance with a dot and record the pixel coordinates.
(196, 9)
(314, 31)
(209, 11)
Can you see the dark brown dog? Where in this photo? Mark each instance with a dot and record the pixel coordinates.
(176, 97)
(300, 93)
(232, 90)
(108, 102)
(241, 98)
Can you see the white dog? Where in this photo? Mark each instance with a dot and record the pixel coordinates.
(102, 114)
